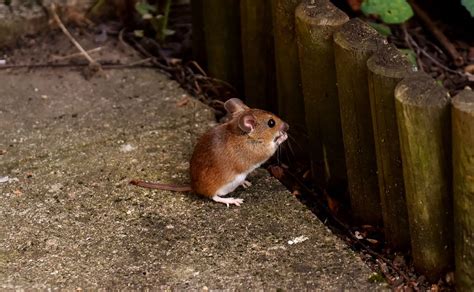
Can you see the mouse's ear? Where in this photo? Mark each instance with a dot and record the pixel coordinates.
(234, 105)
(247, 122)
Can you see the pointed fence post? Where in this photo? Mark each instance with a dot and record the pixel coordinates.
(386, 68)
(354, 43)
(424, 123)
(316, 21)
(463, 182)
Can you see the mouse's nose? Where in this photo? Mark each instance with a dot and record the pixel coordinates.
(285, 127)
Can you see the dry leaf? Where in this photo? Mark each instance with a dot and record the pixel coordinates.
(183, 101)
(354, 4)
(276, 171)
(471, 54)
(296, 193)
(373, 241)
(332, 204)
(450, 278)
(307, 174)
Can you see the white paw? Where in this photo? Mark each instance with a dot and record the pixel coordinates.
(228, 201)
(246, 184)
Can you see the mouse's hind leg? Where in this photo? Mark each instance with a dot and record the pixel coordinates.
(228, 201)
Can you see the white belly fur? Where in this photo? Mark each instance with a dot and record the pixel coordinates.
(238, 180)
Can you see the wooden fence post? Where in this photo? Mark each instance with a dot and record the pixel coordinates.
(354, 43)
(463, 181)
(199, 43)
(222, 36)
(424, 124)
(386, 68)
(315, 24)
(288, 75)
(258, 54)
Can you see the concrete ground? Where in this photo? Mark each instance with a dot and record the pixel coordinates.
(69, 218)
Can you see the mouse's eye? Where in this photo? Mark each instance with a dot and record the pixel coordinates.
(271, 123)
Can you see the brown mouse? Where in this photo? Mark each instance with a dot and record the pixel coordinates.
(227, 153)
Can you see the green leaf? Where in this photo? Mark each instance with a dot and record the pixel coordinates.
(410, 55)
(469, 4)
(383, 29)
(390, 11)
(144, 8)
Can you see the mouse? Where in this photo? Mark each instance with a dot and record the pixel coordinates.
(225, 154)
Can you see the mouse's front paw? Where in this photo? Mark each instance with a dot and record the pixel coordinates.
(246, 184)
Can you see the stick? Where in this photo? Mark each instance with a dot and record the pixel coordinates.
(418, 49)
(59, 58)
(92, 63)
(104, 65)
(438, 34)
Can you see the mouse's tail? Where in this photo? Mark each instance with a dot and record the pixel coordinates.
(166, 187)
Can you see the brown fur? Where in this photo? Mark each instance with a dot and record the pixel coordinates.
(229, 150)
(226, 151)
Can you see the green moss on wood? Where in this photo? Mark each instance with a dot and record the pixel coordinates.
(354, 43)
(463, 181)
(423, 114)
(386, 68)
(315, 24)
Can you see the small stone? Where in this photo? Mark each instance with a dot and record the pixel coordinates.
(127, 148)
(55, 188)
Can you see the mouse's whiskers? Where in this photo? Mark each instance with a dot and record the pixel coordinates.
(300, 130)
(292, 139)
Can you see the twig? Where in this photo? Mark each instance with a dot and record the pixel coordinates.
(92, 62)
(408, 43)
(60, 58)
(195, 64)
(441, 65)
(438, 34)
(104, 65)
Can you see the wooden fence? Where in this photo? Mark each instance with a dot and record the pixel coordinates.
(404, 146)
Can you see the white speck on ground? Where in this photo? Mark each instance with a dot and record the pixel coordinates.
(127, 148)
(298, 239)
